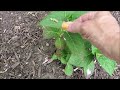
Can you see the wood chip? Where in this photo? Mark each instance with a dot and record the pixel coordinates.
(16, 56)
(15, 65)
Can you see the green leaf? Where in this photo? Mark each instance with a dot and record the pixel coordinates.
(67, 56)
(80, 61)
(63, 60)
(107, 64)
(72, 15)
(49, 33)
(63, 55)
(68, 69)
(60, 43)
(80, 53)
(54, 57)
(89, 69)
(77, 14)
(56, 18)
(95, 50)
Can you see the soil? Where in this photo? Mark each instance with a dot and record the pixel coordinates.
(23, 49)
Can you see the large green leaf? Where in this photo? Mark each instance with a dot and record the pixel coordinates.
(107, 64)
(80, 53)
(56, 18)
(49, 33)
(80, 61)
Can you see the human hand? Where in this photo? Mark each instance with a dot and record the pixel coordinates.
(101, 29)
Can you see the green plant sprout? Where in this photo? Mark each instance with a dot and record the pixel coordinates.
(72, 49)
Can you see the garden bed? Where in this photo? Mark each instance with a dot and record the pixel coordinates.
(23, 49)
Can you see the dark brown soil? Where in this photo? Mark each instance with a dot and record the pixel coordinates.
(23, 49)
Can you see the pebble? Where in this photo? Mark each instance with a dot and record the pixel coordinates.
(19, 75)
(47, 44)
(19, 17)
(0, 18)
(17, 27)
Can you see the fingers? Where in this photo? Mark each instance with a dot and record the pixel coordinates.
(88, 30)
(87, 16)
(102, 13)
(75, 27)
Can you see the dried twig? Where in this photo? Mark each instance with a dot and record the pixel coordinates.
(75, 69)
(95, 74)
(39, 72)
(47, 61)
(33, 68)
(41, 52)
(4, 71)
(29, 56)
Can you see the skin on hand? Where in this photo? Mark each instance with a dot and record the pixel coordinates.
(101, 29)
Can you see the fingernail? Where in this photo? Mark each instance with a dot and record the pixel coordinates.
(66, 25)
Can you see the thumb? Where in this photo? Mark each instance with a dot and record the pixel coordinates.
(73, 27)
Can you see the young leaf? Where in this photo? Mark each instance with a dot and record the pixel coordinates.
(68, 69)
(72, 15)
(63, 61)
(60, 43)
(95, 50)
(89, 69)
(67, 57)
(107, 64)
(77, 14)
(54, 57)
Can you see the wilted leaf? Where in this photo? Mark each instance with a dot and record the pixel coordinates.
(60, 43)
